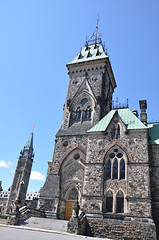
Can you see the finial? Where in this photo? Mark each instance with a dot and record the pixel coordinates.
(127, 102)
(97, 29)
(33, 127)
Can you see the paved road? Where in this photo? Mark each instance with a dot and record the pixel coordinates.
(14, 233)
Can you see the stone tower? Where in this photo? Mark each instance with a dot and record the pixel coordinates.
(89, 98)
(102, 156)
(22, 176)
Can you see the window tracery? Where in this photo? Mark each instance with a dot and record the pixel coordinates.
(82, 109)
(115, 165)
(115, 169)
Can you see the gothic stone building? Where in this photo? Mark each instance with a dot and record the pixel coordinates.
(111, 153)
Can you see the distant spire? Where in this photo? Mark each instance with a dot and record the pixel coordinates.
(29, 144)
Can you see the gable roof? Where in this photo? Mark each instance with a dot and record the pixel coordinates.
(154, 132)
(90, 52)
(84, 88)
(127, 117)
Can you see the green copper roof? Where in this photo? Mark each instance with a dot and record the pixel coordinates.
(29, 144)
(154, 132)
(127, 117)
(90, 52)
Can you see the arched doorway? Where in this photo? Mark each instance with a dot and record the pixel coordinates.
(71, 172)
(70, 203)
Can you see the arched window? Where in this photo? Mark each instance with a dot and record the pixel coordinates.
(122, 169)
(120, 202)
(89, 113)
(113, 133)
(78, 114)
(108, 173)
(118, 132)
(109, 201)
(115, 169)
(86, 113)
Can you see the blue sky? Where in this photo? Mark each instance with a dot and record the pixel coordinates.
(38, 38)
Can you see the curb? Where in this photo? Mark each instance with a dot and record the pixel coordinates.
(49, 231)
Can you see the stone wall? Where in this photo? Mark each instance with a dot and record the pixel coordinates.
(136, 186)
(118, 229)
(154, 177)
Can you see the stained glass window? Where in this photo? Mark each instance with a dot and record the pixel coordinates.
(89, 116)
(84, 101)
(79, 114)
(113, 132)
(115, 169)
(122, 169)
(109, 169)
(86, 114)
(118, 132)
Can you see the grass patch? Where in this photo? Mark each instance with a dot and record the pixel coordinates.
(3, 217)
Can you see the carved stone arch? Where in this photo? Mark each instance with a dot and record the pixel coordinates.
(83, 94)
(114, 155)
(71, 172)
(67, 153)
(109, 190)
(109, 200)
(84, 88)
(119, 198)
(118, 145)
(71, 192)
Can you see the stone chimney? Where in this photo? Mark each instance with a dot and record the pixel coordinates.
(143, 114)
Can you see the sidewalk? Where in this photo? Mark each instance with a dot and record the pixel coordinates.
(39, 230)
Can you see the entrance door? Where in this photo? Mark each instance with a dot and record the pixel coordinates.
(68, 209)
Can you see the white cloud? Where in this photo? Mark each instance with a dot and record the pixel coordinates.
(37, 176)
(4, 164)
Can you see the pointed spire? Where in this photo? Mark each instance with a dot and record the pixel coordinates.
(29, 144)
